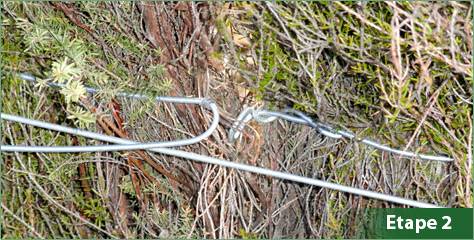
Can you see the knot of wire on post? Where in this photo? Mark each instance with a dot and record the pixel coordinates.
(291, 115)
(164, 147)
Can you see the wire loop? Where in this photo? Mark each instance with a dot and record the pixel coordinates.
(121, 147)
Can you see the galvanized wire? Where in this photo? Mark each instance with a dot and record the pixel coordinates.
(220, 162)
(262, 116)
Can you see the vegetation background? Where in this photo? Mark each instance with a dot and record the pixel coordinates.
(397, 72)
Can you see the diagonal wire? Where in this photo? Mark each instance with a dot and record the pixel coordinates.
(221, 162)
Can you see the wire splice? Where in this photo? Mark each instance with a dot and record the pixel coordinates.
(260, 115)
(291, 115)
